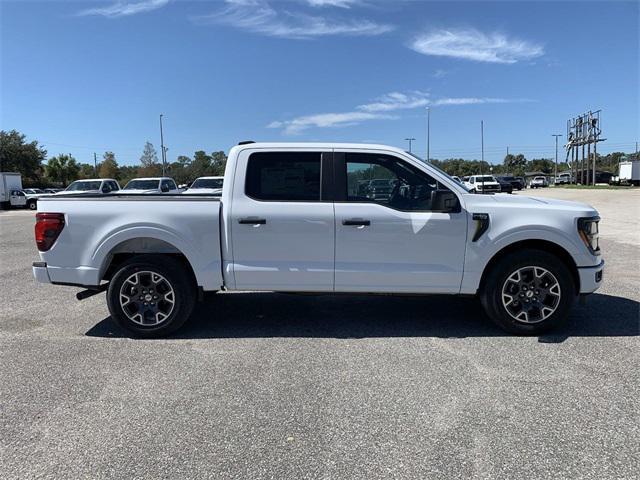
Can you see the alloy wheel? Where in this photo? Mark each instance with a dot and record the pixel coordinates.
(147, 298)
(531, 294)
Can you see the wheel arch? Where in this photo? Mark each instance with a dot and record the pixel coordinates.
(536, 244)
(134, 247)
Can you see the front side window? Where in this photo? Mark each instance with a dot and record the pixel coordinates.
(284, 176)
(142, 185)
(208, 183)
(389, 181)
(83, 186)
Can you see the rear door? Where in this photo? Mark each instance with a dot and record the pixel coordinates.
(405, 241)
(282, 221)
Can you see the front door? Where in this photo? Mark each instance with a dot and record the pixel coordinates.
(392, 232)
(282, 221)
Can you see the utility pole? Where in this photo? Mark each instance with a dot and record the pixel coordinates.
(482, 152)
(162, 146)
(95, 163)
(410, 140)
(556, 170)
(429, 132)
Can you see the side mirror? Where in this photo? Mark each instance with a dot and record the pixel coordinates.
(164, 188)
(444, 201)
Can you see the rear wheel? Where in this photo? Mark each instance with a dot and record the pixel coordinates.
(151, 296)
(528, 292)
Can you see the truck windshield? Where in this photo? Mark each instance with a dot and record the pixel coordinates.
(83, 186)
(142, 185)
(485, 178)
(207, 183)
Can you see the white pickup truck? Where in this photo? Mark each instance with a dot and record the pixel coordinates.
(292, 218)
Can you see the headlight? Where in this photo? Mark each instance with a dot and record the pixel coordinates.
(588, 230)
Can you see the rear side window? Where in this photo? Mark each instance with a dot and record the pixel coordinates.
(284, 176)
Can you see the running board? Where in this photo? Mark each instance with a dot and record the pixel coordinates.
(92, 291)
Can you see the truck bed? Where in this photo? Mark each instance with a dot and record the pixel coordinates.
(99, 226)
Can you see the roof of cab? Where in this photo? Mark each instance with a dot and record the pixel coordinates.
(318, 145)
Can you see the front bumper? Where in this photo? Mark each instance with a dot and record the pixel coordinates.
(590, 278)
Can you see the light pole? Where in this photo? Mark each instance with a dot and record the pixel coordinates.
(162, 145)
(482, 152)
(410, 140)
(428, 131)
(556, 170)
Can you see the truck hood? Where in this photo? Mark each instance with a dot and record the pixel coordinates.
(504, 200)
(132, 190)
(75, 192)
(203, 191)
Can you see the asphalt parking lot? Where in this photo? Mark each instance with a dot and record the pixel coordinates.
(283, 386)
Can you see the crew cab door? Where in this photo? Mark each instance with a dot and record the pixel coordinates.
(408, 241)
(282, 221)
(17, 198)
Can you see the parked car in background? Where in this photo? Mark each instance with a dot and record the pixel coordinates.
(505, 185)
(32, 195)
(151, 185)
(92, 185)
(517, 183)
(206, 185)
(482, 184)
(52, 190)
(380, 188)
(629, 172)
(565, 178)
(456, 178)
(539, 182)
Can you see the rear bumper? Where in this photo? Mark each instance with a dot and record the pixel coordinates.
(80, 276)
(590, 278)
(40, 272)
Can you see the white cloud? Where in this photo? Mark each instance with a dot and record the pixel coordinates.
(391, 102)
(474, 45)
(332, 3)
(476, 101)
(326, 120)
(439, 73)
(123, 9)
(396, 101)
(259, 17)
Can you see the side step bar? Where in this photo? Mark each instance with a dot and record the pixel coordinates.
(92, 291)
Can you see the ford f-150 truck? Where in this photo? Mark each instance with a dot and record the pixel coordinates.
(292, 218)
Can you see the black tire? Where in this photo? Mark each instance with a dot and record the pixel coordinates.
(32, 204)
(501, 276)
(165, 269)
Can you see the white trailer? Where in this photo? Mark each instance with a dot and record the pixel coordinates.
(629, 172)
(11, 190)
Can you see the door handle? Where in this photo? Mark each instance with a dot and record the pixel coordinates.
(356, 222)
(252, 221)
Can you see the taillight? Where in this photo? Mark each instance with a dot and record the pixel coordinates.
(48, 227)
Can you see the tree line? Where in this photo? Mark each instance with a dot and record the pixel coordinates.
(30, 159)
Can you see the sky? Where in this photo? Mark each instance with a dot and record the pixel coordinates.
(90, 76)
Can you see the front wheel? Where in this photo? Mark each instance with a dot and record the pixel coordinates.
(151, 296)
(32, 205)
(528, 292)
